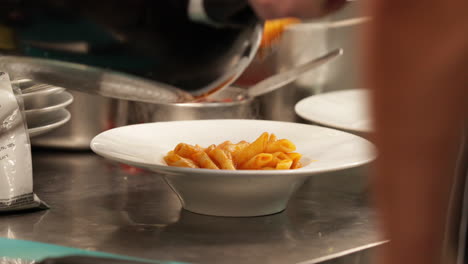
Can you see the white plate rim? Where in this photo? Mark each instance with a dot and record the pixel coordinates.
(239, 173)
(324, 122)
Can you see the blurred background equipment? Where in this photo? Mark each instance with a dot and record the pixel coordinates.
(139, 50)
(300, 42)
(284, 44)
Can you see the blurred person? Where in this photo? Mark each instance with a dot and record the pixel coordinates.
(416, 65)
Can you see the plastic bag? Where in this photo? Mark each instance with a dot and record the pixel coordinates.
(16, 181)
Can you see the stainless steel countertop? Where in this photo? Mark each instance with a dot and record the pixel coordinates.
(99, 205)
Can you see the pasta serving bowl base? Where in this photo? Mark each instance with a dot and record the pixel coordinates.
(238, 193)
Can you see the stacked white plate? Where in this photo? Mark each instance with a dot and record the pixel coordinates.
(45, 107)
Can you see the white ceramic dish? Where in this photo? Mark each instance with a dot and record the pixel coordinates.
(232, 193)
(346, 110)
(44, 104)
(47, 122)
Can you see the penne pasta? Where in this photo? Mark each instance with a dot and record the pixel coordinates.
(265, 153)
(277, 157)
(210, 148)
(204, 161)
(257, 147)
(257, 162)
(175, 160)
(281, 145)
(225, 144)
(296, 165)
(272, 138)
(231, 148)
(223, 159)
(284, 164)
(186, 150)
(296, 157)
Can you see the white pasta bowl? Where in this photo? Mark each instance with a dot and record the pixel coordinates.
(228, 192)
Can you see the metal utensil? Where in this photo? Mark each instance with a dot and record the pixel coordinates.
(283, 78)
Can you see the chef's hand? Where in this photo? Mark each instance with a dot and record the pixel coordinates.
(270, 9)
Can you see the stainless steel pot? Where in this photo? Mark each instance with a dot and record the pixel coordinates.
(226, 106)
(94, 114)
